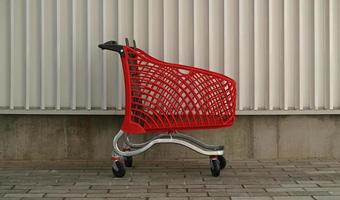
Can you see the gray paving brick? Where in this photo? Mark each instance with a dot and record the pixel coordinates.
(66, 195)
(294, 198)
(299, 185)
(284, 189)
(138, 190)
(251, 198)
(210, 198)
(127, 195)
(330, 189)
(9, 198)
(162, 190)
(185, 186)
(169, 198)
(24, 195)
(84, 198)
(188, 194)
(35, 198)
(47, 191)
(327, 197)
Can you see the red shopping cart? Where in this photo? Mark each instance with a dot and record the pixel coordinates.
(165, 98)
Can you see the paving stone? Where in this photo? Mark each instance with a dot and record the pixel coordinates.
(162, 190)
(210, 198)
(327, 197)
(330, 189)
(299, 185)
(251, 198)
(44, 198)
(294, 198)
(24, 195)
(66, 195)
(169, 198)
(128, 195)
(9, 198)
(188, 194)
(284, 189)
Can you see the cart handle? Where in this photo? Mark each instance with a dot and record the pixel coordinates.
(113, 46)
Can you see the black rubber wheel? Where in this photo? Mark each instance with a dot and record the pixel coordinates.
(118, 169)
(215, 167)
(128, 161)
(223, 162)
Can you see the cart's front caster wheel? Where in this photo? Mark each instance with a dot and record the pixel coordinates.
(128, 161)
(118, 169)
(215, 167)
(223, 162)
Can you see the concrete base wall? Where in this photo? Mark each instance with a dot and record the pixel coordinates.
(25, 137)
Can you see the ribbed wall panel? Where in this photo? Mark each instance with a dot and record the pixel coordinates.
(284, 54)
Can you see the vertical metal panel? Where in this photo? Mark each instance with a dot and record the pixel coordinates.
(19, 53)
(42, 55)
(5, 53)
(201, 33)
(125, 30)
(74, 54)
(66, 54)
(334, 70)
(231, 42)
(231, 39)
(81, 55)
(186, 32)
(48, 86)
(156, 29)
(291, 59)
(246, 55)
(34, 44)
(171, 35)
(140, 23)
(104, 70)
(12, 16)
(276, 54)
(261, 62)
(306, 51)
(96, 37)
(58, 43)
(89, 55)
(321, 54)
(216, 36)
(112, 75)
(28, 56)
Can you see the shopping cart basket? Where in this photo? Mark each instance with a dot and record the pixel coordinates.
(165, 98)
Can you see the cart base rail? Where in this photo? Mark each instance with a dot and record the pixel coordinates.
(122, 156)
(164, 138)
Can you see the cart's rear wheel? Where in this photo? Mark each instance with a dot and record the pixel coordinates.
(223, 162)
(215, 167)
(118, 169)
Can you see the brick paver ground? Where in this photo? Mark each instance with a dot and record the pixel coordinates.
(174, 180)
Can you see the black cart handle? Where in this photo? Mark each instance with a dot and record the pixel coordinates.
(113, 46)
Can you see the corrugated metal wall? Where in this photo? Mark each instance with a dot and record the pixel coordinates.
(284, 54)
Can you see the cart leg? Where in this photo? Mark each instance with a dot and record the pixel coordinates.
(127, 159)
(215, 167)
(118, 166)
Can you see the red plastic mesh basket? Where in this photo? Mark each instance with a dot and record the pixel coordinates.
(162, 96)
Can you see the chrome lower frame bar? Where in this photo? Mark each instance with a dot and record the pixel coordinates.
(164, 138)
